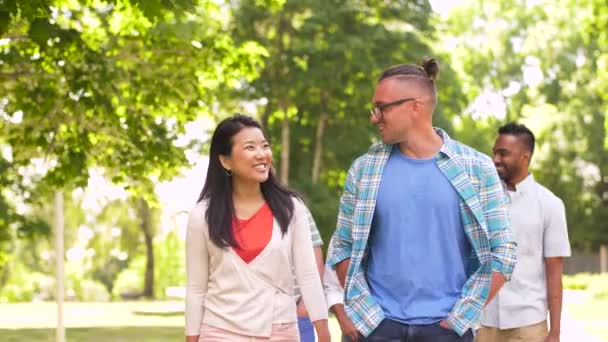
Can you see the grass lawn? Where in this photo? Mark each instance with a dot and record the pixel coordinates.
(163, 321)
(97, 334)
(594, 314)
(97, 322)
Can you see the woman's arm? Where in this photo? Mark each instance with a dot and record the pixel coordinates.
(197, 272)
(306, 272)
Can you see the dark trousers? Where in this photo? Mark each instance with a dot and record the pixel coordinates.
(391, 331)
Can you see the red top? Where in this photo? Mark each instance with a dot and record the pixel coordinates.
(253, 234)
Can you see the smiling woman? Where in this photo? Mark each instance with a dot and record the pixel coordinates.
(244, 235)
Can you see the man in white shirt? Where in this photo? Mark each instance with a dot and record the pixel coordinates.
(334, 295)
(519, 310)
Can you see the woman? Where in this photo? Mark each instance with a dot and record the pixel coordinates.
(244, 235)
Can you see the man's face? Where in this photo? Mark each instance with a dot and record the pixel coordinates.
(511, 156)
(396, 119)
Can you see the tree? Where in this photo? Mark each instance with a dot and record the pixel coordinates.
(546, 64)
(109, 85)
(320, 72)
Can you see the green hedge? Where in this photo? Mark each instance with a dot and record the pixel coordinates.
(595, 283)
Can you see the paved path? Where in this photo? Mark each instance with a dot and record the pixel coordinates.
(573, 330)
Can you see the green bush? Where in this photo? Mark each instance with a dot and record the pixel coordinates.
(169, 267)
(27, 287)
(599, 286)
(129, 281)
(595, 284)
(579, 281)
(92, 291)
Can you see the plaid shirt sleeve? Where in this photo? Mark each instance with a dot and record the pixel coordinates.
(340, 246)
(466, 312)
(316, 242)
(495, 207)
(314, 231)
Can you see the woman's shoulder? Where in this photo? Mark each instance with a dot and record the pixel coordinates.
(298, 204)
(200, 206)
(197, 215)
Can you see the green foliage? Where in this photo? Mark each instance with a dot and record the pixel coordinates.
(108, 87)
(169, 269)
(578, 281)
(324, 58)
(105, 84)
(25, 286)
(596, 284)
(91, 291)
(130, 281)
(547, 63)
(116, 230)
(79, 288)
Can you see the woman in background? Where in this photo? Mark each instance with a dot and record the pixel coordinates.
(244, 235)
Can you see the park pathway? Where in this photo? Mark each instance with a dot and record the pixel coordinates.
(574, 330)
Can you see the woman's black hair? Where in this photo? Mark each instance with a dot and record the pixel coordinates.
(218, 186)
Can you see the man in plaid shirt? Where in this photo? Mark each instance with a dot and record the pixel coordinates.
(423, 239)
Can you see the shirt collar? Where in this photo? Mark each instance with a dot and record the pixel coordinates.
(447, 148)
(448, 144)
(525, 185)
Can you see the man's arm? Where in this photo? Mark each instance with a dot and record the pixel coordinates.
(556, 246)
(319, 260)
(554, 268)
(340, 247)
(346, 325)
(502, 241)
(498, 280)
(342, 270)
(317, 242)
(334, 295)
(493, 200)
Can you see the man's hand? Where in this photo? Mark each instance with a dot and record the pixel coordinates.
(301, 309)
(552, 337)
(445, 324)
(348, 328)
(346, 325)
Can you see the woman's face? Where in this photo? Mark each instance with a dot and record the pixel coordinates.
(251, 158)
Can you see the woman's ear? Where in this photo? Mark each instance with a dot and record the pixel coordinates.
(225, 161)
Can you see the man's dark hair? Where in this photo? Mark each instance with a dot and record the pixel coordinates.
(425, 74)
(521, 132)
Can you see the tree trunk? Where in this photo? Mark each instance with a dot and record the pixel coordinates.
(280, 72)
(265, 116)
(285, 146)
(146, 226)
(316, 163)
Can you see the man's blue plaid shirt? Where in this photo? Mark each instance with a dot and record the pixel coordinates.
(484, 213)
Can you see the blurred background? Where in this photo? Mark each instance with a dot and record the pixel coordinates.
(109, 105)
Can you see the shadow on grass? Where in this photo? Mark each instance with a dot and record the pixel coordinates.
(96, 334)
(159, 313)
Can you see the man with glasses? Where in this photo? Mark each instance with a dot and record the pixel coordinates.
(423, 239)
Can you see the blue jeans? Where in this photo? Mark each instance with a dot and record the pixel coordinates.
(392, 331)
(307, 331)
